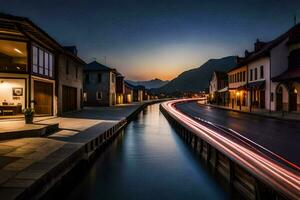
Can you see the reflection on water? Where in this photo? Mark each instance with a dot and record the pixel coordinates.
(148, 161)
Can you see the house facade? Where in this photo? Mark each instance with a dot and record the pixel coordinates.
(218, 88)
(99, 85)
(237, 81)
(29, 68)
(120, 89)
(128, 92)
(70, 81)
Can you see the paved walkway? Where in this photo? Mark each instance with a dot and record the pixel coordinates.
(263, 112)
(26, 163)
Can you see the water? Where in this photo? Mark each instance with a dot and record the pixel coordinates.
(148, 161)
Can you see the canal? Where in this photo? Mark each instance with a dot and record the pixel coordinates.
(148, 160)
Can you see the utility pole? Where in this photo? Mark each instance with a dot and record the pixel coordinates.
(295, 20)
(105, 60)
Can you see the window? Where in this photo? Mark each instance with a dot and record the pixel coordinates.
(87, 78)
(98, 95)
(46, 64)
(244, 76)
(255, 74)
(262, 71)
(241, 76)
(34, 59)
(238, 77)
(99, 78)
(251, 74)
(67, 66)
(50, 65)
(42, 62)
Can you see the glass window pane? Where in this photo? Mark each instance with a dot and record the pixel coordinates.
(50, 65)
(41, 58)
(34, 55)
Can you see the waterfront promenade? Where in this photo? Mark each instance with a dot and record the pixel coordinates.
(31, 166)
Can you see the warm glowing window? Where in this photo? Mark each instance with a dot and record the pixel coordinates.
(13, 56)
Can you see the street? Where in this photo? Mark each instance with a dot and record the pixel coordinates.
(278, 136)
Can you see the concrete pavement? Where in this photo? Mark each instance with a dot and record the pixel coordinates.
(33, 165)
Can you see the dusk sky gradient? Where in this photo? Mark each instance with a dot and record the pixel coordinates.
(157, 39)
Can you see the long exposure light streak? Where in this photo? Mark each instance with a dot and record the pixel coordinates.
(283, 179)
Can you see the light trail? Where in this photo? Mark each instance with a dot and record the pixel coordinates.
(283, 179)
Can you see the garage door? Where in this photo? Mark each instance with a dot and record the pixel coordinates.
(69, 101)
(43, 97)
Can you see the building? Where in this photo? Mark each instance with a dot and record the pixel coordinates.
(285, 93)
(120, 89)
(237, 81)
(70, 81)
(273, 75)
(29, 63)
(218, 88)
(138, 93)
(128, 94)
(99, 85)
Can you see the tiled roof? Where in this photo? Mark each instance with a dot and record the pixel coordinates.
(293, 34)
(28, 26)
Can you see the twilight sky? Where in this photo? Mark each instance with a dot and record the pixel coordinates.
(157, 39)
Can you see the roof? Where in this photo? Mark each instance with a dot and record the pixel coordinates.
(289, 74)
(220, 75)
(96, 66)
(293, 35)
(256, 85)
(35, 33)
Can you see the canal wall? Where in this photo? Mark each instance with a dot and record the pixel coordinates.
(238, 178)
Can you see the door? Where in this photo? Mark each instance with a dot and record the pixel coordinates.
(279, 100)
(293, 101)
(43, 98)
(69, 99)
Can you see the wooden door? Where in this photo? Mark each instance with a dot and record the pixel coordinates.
(69, 99)
(293, 102)
(43, 98)
(279, 101)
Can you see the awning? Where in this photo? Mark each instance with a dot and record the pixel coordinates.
(292, 73)
(225, 89)
(243, 87)
(257, 85)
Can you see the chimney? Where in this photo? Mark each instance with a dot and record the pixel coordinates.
(258, 45)
(71, 49)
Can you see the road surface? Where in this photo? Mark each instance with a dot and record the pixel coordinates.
(279, 136)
